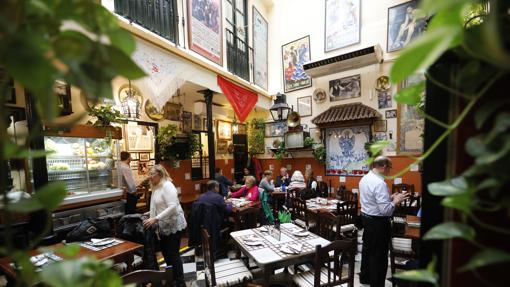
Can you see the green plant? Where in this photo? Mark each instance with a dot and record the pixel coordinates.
(105, 115)
(308, 142)
(480, 39)
(280, 151)
(166, 139)
(319, 153)
(79, 42)
(256, 136)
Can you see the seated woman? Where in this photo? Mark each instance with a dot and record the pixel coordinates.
(249, 191)
(310, 181)
(297, 181)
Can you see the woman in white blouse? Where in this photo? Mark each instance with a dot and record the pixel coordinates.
(166, 212)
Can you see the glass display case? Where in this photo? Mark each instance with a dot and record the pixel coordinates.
(85, 165)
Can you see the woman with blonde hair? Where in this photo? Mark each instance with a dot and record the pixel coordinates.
(249, 191)
(166, 212)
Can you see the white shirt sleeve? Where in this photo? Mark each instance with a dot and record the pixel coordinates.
(169, 196)
(383, 200)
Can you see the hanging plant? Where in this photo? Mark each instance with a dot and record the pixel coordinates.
(256, 136)
(166, 138)
(280, 152)
(105, 115)
(319, 153)
(308, 142)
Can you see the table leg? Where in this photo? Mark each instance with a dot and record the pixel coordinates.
(267, 276)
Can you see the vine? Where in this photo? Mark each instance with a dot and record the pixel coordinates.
(256, 136)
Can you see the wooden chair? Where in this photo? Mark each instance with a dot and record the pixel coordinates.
(328, 224)
(144, 201)
(322, 189)
(330, 270)
(402, 250)
(402, 187)
(149, 276)
(300, 213)
(226, 273)
(247, 218)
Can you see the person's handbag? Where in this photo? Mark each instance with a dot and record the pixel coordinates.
(90, 228)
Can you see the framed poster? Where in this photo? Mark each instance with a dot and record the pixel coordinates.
(304, 106)
(345, 150)
(186, 121)
(197, 122)
(224, 130)
(275, 129)
(380, 126)
(139, 137)
(342, 24)
(205, 30)
(345, 88)
(384, 99)
(403, 26)
(222, 147)
(410, 124)
(315, 134)
(294, 55)
(260, 40)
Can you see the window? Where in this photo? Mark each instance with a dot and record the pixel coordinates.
(238, 51)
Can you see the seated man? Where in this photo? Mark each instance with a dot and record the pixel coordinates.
(223, 181)
(212, 196)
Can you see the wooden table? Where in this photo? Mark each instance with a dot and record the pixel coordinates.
(314, 207)
(269, 257)
(412, 232)
(122, 252)
(237, 212)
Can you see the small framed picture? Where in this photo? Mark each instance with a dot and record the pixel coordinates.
(315, 134)
(186, 121)
(134, 156)
(197, 122)
(380, 126)
(172, 111)
(304, 106)
(391, 114)
(133, 165)
(275, 129)
(384, 99)
(222, 147)
(145, 156)
(142, 168)
(151, 163)
(241, 129)
(224, 130)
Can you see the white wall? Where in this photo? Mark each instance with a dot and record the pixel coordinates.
(295, 19)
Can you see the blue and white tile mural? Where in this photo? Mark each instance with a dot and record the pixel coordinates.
(345, 150)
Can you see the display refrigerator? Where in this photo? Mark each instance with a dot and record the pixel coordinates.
(85, 160)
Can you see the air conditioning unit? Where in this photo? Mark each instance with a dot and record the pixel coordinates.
(344, 62)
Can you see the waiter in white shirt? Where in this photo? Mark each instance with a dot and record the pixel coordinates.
(128, 182)
(377, 206)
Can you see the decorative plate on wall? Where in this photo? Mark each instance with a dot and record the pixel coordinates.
(319, 95)
(152, 112)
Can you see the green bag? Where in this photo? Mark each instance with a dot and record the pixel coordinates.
(264, 196)
(284, 216)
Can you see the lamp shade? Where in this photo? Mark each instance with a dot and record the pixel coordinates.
(280, 109)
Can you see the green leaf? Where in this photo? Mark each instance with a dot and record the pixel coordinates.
(25, 205)
(475, 146)
(411, 95)
(423, 52)
(450, 230)
(432, 6)
(48, 197)
(123, 64)
(419, 275)
(14, 151)
(69, 250)
(454, 186)
(378, 146)
(485, 258)
(123, 40)
(495, 156)
(463, 202)
(486, 111)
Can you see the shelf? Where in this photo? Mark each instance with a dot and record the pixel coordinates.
(293, 150)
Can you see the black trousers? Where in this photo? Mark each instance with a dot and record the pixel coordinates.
(170, 245)
(131, 201)
(374, 255)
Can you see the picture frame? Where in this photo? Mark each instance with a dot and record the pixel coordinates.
(172, 111)
(186, 121)
(260, 49)
(397, 33)
(10, 91)
(275, 129)
(241, 129)
(134, 156)
(294, 55)
(144, 156)
(410, 124)
(342, 24)
(197, 122)
(205, 34)
(143, 169)
(151, 163)
(380, 126)
(224, 130)
(304, 106)
(315, 134)
(384, 99)
(345, 88)
(222, 147)
(139, 137)
(390, 114)
(152, 112)
(133, 165)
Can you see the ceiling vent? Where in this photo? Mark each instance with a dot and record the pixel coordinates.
(344, 62)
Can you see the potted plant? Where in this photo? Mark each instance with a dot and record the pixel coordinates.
(167, 139)
(319, 153)
(105, 115)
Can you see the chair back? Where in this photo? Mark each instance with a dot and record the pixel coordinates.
(349, 210)
(149, 276)
(299, 210)
(322, 189)
(329, 225)
(247, 218)
(209, 259)
(409, 206)
(399, 187)
(330, 267)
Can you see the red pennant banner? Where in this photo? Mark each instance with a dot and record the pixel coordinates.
(241, 99)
